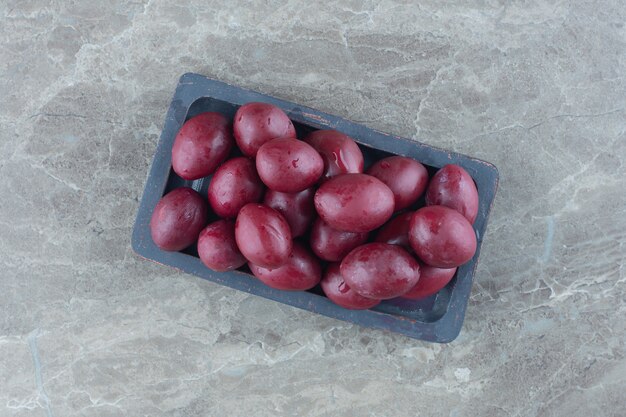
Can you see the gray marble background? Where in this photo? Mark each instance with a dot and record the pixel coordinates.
(88, 329)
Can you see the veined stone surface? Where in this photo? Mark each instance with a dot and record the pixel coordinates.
(88, 329)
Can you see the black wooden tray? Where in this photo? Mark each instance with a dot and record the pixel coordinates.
(438, 318)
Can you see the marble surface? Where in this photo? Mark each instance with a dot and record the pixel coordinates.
(88, 329)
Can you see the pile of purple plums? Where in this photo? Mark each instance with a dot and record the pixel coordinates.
(301, 212)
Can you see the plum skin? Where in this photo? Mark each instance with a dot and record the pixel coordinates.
(178, 218)
(296, 207)
(201, 145)
(354, 202)
(340, 152)
(431, 281)
(380, 270)
(332, 244)
(256, 123)
(234, 184)
(442, 237)
(340, 293)
(288, 165)
(217, 247)
(263, 235)
(301, 271)
(406, 178)
(396, 231)
(453, 187)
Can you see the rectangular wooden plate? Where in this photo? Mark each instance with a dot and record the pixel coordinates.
(438, 318)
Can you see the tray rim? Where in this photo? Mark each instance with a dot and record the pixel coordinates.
(191, 87)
